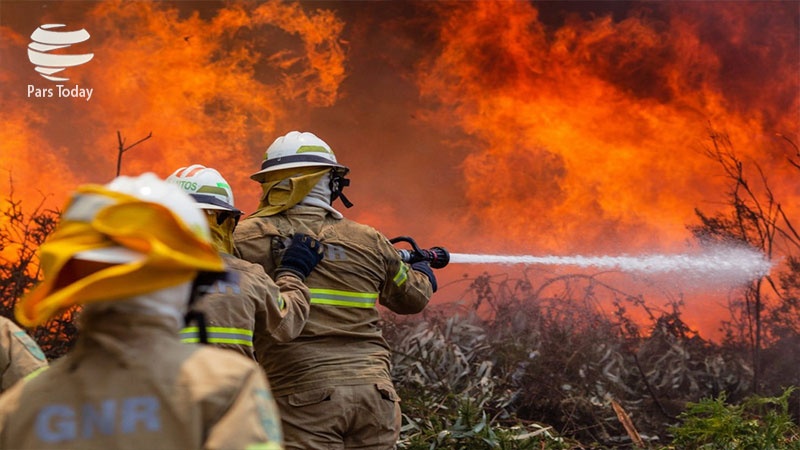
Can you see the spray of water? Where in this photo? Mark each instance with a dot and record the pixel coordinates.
(729, 265)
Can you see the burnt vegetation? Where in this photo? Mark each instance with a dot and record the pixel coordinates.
(535, 361)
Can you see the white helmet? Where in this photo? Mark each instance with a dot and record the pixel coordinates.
(297, 149)
(147, 187)
(206, 186)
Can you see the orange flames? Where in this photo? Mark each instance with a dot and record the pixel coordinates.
(590, 138)
(534, 128)
(210, 90)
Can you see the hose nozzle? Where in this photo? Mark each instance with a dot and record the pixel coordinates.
(437, 257)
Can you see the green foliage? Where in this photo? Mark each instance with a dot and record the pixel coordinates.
(758, 423)
(468, 426)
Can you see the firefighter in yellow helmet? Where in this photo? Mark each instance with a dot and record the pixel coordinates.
(245, 306)
(332, 383)
(20, 355)
(132, 253)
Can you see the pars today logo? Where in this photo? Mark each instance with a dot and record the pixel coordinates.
(44, 40)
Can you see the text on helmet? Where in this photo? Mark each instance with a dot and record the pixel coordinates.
(186, 185)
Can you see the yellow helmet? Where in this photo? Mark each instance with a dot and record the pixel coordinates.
(130, 237)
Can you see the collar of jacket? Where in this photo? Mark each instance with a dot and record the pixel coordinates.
(313, 213)
(127, 337)
(126, 325)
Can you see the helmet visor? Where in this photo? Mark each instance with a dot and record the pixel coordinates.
(211, 202)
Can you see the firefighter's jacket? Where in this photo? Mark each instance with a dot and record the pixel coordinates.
(246, 306)
(341, 343)
(129, 383)
(20, 356)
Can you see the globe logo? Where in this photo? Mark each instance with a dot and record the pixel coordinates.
(44, 40)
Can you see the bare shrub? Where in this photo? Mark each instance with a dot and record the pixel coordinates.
(21, 234)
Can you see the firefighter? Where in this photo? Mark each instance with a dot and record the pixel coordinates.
(247, 305)
(132, 253)
(20, 356)
(332, 383)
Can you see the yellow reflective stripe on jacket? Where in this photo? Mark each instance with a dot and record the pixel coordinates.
(36, 372)
(219, 335)
(333, 297)
(281, 303)
(401, 276)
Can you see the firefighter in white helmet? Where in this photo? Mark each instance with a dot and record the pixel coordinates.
(20, 355)
(246, 306)
(332, 384)
(132, 252)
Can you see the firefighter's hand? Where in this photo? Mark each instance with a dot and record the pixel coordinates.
(424, 267)
(301, 257)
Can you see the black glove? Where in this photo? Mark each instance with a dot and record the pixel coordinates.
(302, 255)
(424, 267)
